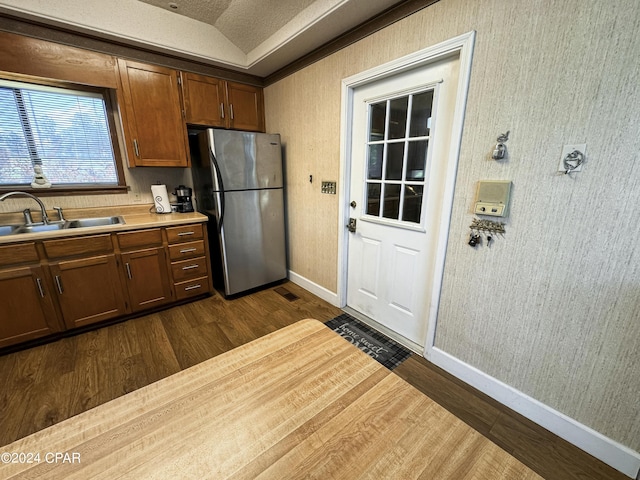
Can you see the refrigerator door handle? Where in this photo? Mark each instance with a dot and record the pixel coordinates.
(220, 192)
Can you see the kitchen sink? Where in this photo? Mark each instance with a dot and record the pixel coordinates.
(39, 228)
(94, 222)
(69, 224)
(9, 229)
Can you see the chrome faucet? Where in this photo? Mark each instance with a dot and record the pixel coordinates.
(27, 212)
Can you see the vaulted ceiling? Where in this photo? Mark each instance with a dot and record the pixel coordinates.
(252, 36)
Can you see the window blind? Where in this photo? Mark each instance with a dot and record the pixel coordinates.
(64, 131)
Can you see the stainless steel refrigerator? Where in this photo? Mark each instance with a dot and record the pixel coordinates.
(238, 184)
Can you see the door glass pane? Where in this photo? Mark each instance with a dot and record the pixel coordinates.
(391, 201)
(421, 114)
(412, 203)
(395, 154)
(376, 129)
(373, 199)
(398, 117)
(374, 169)
(416, 160)
(397, 150)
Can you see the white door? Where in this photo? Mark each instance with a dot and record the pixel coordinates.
(401, 135)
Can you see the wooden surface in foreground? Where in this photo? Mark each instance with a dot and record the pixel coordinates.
(298, 403)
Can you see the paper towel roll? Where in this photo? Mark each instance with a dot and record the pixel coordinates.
(161, 198)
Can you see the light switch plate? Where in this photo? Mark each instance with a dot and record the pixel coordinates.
(566, 150)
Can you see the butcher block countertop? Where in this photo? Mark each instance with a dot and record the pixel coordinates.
(135, 217)
(299, 403)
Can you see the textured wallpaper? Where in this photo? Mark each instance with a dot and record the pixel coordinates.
(553, 307)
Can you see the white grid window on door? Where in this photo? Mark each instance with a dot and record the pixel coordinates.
(397, 147)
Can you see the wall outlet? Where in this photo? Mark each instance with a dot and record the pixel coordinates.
(573, 162)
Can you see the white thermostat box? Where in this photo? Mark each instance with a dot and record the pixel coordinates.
(492, 197)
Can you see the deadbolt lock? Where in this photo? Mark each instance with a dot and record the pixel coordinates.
(353, 204)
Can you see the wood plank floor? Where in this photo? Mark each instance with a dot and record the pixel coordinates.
(49, 383)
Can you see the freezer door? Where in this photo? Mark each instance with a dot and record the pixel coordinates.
(252, 239)
(246, 160)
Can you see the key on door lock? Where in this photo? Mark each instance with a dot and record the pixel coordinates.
(352, 225)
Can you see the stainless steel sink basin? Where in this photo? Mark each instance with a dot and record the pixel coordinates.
(94, 222)
(80, 223)
(39, 228)
(8, 229)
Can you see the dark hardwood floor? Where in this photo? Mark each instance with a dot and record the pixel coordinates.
(46, 384)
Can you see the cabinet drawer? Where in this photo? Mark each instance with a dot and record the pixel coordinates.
(186, 250)
(184, 233)
(18, 253)
(78, 246)
(143, 238)
(190, 288)
(193, 267)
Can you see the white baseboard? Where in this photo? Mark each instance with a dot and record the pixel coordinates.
(317, 290)
(603, 448)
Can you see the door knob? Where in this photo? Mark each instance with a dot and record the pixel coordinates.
(351, 226)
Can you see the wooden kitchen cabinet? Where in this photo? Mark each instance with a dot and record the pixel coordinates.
(27, 310)
(214, 102)
(246, 107)
(86, 279)
(188, 251)
(204, 100)
(147, 278)
(58, 284)
(150, 107)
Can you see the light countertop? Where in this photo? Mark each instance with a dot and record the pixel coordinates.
(135, 217)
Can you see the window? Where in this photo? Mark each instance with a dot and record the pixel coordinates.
(397, 147)
(65, 132)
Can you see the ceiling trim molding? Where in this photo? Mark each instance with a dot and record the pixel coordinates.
(384, 19)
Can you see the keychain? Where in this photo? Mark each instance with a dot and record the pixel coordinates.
(474, 239)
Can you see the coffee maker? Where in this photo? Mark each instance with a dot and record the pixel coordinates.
(184, 202)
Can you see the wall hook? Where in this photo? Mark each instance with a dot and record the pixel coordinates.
(500, 151)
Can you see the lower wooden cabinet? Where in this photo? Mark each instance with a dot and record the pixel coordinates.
(188, 250)
(66, 283)
(88, 289)
(26, 310)
(147, 281)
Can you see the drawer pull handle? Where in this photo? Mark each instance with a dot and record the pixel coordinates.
(128, 270)
(192, 287)
(187, 250)
(190, 267)
(182, 234)
(40, 289)
(59, 284)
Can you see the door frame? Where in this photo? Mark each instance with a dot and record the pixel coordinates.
(460, 47)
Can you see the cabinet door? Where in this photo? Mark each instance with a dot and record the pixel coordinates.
(152, 116)
(246, 107)
(26, 309)
(147, 278)
(88, 289)
(204, 100)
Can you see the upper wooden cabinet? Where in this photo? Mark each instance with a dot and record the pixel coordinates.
(246, 107)
(204, 100)
(155, 132)
(217, 103)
